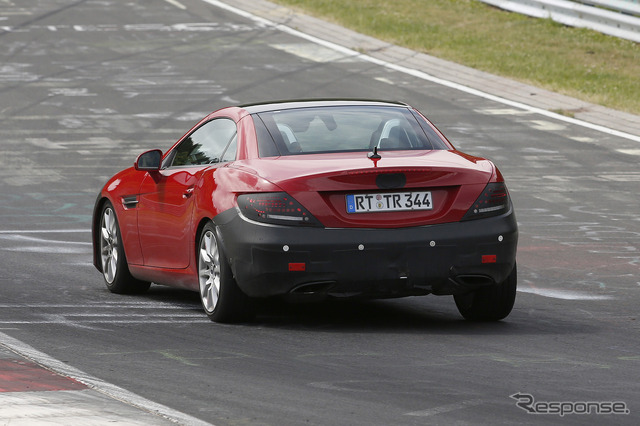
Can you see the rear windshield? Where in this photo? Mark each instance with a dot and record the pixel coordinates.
(341, 129)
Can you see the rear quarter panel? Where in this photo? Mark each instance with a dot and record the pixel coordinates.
(219, 187)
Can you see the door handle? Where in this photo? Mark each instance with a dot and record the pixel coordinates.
(188, 193)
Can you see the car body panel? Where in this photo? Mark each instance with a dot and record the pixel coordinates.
(123, 186)
(165, 212)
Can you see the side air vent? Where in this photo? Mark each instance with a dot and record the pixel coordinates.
(130, 202)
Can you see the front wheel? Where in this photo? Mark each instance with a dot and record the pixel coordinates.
(222, 299)
(115, 269)
(489, 303)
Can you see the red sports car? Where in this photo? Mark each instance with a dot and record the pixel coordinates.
(308, 200)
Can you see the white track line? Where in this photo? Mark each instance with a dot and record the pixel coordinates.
(176, 4)
(46, 231)
(564, 294)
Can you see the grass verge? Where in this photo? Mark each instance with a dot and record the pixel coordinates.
(576, 62)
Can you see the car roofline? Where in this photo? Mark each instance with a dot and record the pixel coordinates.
(254, 108)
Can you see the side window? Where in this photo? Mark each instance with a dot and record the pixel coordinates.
(207, 144)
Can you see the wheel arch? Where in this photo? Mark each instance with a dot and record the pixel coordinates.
(95, 230)
(198, 234)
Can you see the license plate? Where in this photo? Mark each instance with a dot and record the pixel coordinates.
(389, 202)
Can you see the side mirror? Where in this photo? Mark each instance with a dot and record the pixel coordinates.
(149, 161)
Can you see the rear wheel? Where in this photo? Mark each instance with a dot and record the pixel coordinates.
(489, 303)
(115, 270)
(222, 299)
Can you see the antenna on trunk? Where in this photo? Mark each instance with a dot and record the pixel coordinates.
(374, 154)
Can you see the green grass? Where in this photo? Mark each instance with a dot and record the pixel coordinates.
(576, 62)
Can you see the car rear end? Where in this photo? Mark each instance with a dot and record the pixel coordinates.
(373, 202)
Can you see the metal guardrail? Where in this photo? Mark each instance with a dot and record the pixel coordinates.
(630, 7)
(622, 24)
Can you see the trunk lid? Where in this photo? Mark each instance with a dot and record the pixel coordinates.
(325, 184)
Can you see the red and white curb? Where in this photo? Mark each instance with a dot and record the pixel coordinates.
(38, 389)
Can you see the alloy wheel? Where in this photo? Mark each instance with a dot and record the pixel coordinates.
(209, 271)
(109, 245)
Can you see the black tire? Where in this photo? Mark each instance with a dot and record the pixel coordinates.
(489, 303)
(115, 269)
(222, 299)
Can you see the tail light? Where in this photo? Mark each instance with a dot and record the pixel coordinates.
(278, 208)
(493, 201)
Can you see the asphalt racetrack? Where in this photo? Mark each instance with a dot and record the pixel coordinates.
(85, 86)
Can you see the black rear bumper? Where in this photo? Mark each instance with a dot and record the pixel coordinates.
(452, 258)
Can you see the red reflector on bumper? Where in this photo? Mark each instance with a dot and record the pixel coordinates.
(489, 258)
(297, 266)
